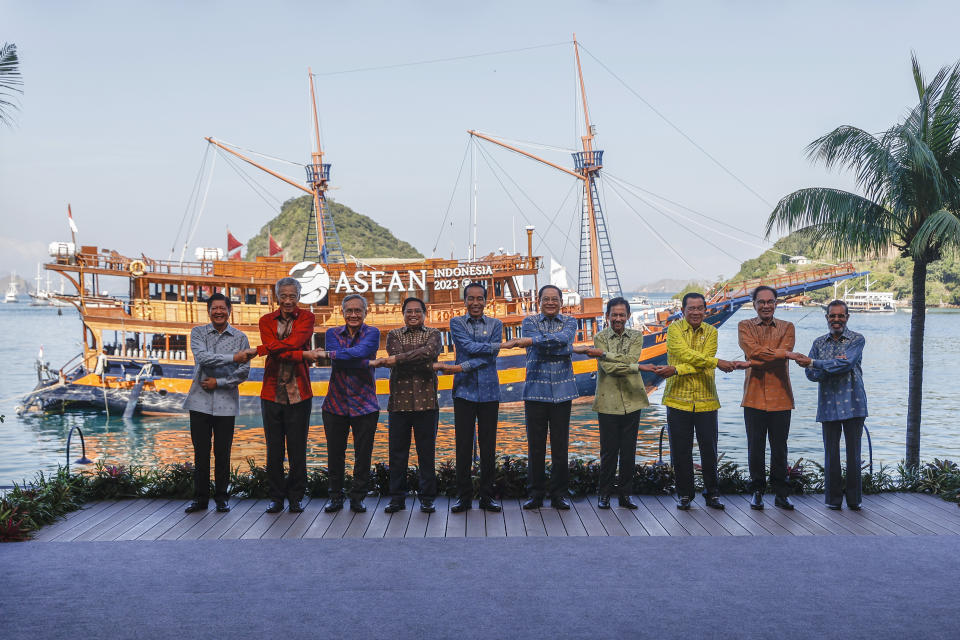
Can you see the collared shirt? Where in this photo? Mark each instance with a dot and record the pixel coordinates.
(766, 385)
(474, 340)
(841, 395)
(213, 354)
(693, 353)
(352, 390)
(413, 382)
(549, 359)
(620, 387)
(288, 349)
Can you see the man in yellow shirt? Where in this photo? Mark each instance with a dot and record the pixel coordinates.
(691, 399)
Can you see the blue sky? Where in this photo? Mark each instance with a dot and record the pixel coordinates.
(120, 95)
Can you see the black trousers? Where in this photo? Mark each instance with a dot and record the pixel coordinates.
(478, 418)
(682, 425)
(424, 427)
(760, 426)
(542, 417)
(833, 489)
(285, 426)
(336, 428)
(203, 427)
(618, 442)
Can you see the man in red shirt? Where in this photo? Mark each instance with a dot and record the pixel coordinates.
(286, 397)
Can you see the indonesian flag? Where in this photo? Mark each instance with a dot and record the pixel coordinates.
(73, 225)
(232, 242)
(275, 247)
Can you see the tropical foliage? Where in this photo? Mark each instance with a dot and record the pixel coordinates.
(10, 81)
(359, 235)
(910, 199)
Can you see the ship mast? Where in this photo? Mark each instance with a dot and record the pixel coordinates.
(595, 250)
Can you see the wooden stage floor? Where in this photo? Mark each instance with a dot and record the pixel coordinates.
(887, 514)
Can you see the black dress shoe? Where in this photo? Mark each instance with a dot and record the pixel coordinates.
(357, 506)
(489, 504)
(334, 505)
(394, 506)
(854, 507)
(222, 506)
(295, 507)
(196, 505)
(275, 506)
(834, 507)
(784, 503)
(756, 501)
(460, 505)
(684, 503)
(426, 505)
(603, 502)
(533, 503)
(714, 502)
(626, 502)
(560, 502)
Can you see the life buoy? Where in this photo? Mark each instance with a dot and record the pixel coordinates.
(137, 268)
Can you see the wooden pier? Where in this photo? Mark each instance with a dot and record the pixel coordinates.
(886, 514)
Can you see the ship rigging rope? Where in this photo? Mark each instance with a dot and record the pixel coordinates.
(191, 201)
(436, 242)
(203, 204)
(256, 187)
(527, 143)
(676, 128)
(262, 155)
(438, 60)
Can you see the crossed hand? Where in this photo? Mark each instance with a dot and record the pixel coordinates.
(799, 358)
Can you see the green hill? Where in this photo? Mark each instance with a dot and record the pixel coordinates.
(888, 273)
(359, 235)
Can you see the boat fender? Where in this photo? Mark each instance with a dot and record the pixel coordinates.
(137, 268)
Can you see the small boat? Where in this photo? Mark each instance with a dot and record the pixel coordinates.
(12, 291)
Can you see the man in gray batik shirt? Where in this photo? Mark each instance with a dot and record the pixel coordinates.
(214, 400)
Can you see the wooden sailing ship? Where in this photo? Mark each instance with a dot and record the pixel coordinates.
(136, 352)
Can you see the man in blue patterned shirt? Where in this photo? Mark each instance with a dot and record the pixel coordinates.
(214, 400)
(476, 395)
(834, 363)
(547, 395)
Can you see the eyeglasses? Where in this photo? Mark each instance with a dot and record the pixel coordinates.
(554, 299)
(415, 310)
(695, 309)
(762, 303)
(353, 312)
(288, 296)
(836, 316)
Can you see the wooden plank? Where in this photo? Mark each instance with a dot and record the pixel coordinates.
(284, 522)
(912, 526)
(837, 517)
(358, 526)
(725, 520)
(685, 518)
(169, 506)
(629, 522)
(663, 516)
(649, 523)
(760, 518)
(115, 507)
(437, 523)
(397, 527)
(572, 523)
(936, 501)
(800, 517)
(171, 519)
(301, 524)
(147, 507)
(858, 518)
(919, 513)
(735, 512)
(476, 523)
(494, 524)
(209, 519)
(457, 525)
(773, 516)
(259, 526)
(609, 520)
(552, 523)
(341, 521)
(226, 520)
(706, 520)
(533, 522)
(72, 519)
(920, 508)
(875, 517)
(513, 518)
(378, 524)
(417, 524)
(814, 511)
(321, 523)
(588, 517)
(184, 525)
(245, 521)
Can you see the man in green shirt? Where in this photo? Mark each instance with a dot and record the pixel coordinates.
(620, 397)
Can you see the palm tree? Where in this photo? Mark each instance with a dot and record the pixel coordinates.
(10, 81)
(910, 200)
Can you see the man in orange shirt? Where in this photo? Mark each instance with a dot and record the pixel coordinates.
(767, 344)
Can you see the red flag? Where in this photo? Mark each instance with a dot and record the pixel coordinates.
(232, 243)
(235, 256)
(275, 247)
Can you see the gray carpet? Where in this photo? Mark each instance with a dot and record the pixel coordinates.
(849, 587)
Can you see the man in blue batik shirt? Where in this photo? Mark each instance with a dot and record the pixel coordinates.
(476, 395)
(834, 363)
(548, 394)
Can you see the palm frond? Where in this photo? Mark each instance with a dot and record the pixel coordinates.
(870, 157)
(845, 221)
(940, 229)
(10, 80)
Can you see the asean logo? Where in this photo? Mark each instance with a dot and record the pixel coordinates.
(314, 281)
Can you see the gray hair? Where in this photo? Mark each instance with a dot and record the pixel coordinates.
(287, 282)
(353, 296)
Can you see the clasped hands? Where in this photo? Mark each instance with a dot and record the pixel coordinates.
(799, 358)
(246, 355)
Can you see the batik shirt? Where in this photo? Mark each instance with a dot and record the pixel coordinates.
(352, 390)
(213, 354)
(841, 395)
(413, 382)
(475, 340)
(549, 359)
